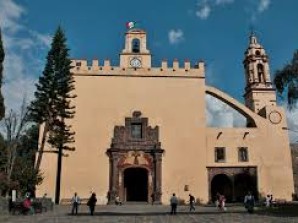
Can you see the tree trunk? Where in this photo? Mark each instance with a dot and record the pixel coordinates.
(42, 145)
(58, 176)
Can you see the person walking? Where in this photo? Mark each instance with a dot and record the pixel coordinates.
(191, 203)
(174, 203)
(75, 201)
(222, 203)
(249, 202)
(92, 203)
(152, 198)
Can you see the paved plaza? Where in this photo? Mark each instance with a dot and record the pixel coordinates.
(146, 214)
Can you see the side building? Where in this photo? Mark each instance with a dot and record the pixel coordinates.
(142, 130)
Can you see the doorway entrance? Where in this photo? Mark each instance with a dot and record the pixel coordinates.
(221, 184)
(136, 184)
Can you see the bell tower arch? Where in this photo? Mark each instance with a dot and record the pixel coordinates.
(135, 53)
(259, 91)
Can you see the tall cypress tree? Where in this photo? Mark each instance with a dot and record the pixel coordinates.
(52, 104)
(2, 56)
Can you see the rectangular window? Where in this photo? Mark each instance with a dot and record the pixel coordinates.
(136, 131)
(243, 154)
(220, 154)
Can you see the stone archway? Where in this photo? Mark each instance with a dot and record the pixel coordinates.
(135, 146)
(243, 183)
(241, 179)
(223, 185)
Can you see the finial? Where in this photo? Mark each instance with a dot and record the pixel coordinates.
(252, 36)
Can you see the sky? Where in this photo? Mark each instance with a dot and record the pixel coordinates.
(215, 31)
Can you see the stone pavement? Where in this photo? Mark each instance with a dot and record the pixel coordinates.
(146, 214)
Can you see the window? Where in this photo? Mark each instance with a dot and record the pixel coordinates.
(260, 69)
(135, 45)
(220, 155)
(78, 64)
(243, 154)
(136, 130)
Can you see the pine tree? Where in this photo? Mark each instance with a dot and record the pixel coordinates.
(2, 55)
(52, 105)
(286, 80)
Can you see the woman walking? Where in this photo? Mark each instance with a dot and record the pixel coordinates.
(91, 203)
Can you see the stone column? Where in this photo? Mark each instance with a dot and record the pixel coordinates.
(158, 177)
(114, 186)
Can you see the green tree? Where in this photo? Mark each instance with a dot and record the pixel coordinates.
(51, 107)
(24, 172)
(286, 80)
(2, 55)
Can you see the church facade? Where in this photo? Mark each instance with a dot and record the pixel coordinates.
(142, 130)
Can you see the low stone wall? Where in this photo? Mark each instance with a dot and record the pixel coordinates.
(3, 205)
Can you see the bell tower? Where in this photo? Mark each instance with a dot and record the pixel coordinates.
(259, 91)
(135, 54)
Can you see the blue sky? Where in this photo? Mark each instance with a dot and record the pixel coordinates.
(213, 30)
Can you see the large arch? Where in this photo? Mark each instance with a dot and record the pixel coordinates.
(244, 182)
(248, 114)
(222, 184)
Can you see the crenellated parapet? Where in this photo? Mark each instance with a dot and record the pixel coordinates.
(175, 69)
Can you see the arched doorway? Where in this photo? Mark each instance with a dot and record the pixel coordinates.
(243, 183)
(136, 184)
(223, 185)
(135, 159)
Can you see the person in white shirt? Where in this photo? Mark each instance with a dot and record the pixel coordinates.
(75, 201)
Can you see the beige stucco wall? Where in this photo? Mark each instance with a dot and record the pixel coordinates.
(177, 106)
(174, 104)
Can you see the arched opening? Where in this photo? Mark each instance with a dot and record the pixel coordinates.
(136, 184)
(246, 112)
(260, 69)
(220, 114)
(243, 183)
(223, 185)
(135, 45)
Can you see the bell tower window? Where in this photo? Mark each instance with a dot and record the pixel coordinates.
(135, 45)
(260, 69)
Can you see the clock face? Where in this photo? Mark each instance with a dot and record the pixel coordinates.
(135, 62)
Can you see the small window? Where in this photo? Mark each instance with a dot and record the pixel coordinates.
(136, 131)
(243, 154)
(258, 53)
(78, 64)
(135, 45)
(220, 155)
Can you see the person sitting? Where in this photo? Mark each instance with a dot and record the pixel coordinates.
(118, 201)
(27, 205)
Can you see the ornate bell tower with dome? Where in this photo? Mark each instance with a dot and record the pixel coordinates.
(259, 91)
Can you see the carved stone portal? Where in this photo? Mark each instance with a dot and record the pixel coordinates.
(135, 149)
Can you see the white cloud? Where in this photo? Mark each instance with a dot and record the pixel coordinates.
(10, 12)
(23, 49)
(175, 36)
(263, 5)
(255, 7)
(204, 11)
(292, 120)
(223, 2)
(220, 114)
